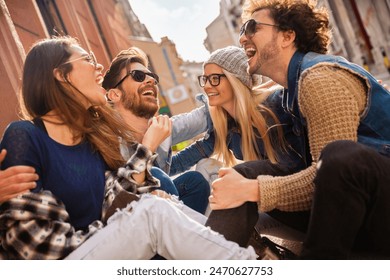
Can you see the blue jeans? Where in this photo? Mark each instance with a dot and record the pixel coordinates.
(166, 183)
(194, 190)
(191, 188)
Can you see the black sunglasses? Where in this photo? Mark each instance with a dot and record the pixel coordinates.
(139, 76)
(249, 27)
(214, 79)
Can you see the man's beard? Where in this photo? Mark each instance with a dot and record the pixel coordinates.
(141, 109)
(268, 53)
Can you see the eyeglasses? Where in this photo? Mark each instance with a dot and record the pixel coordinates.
(138, 76)
(249, 27)
(214, 79)
(90, 58)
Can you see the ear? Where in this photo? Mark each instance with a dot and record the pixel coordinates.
(114, 95)
(59, 75)
(288, 38)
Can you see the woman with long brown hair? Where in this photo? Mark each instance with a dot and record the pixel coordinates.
(70, 136)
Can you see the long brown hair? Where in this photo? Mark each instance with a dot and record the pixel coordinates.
(42, 93)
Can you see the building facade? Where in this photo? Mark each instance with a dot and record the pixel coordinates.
(361, 31)
(103, 26)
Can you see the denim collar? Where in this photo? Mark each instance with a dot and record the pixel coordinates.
(291, 93)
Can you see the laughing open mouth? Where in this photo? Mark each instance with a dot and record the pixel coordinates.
(250, 52)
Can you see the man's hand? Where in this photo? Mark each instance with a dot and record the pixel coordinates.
(231, 190)
(160, 128)
(15, 180)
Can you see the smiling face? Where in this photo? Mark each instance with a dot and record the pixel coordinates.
(141, 98)
(86, 77)
(221, 95)
(263, 47)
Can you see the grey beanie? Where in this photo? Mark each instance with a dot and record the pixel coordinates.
(234, 60)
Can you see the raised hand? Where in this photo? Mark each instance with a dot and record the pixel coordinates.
(160, 127)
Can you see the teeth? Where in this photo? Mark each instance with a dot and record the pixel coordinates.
(213, 94)
(148, 92)
(250, 52)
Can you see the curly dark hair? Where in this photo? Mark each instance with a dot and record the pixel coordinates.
(309, 22)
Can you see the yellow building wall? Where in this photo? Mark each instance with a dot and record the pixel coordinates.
(171, 76)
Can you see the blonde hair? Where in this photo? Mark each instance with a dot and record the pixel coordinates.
(250, 114)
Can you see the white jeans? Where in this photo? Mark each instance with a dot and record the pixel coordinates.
(209, 168)
(153, 226)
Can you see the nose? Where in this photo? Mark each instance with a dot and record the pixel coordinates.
(99, 66)
(242, 39)
(150, 80)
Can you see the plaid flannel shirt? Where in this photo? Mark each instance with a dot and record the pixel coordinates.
(37, 225)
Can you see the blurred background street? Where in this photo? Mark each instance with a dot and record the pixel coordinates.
(361, 33)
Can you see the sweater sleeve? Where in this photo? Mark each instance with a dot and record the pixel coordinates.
(331, 100)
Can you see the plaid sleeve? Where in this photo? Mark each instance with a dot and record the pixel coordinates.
(140, 159)
(36, 226)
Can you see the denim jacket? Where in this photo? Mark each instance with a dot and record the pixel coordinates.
(184, 126)
(293, 159)
(374, 128)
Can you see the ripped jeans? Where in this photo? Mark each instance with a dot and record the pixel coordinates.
(153, 226)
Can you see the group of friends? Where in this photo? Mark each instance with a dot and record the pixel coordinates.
(310, 148)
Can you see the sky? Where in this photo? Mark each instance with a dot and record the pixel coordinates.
(183, 21)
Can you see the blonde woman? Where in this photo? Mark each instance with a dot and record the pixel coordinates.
(243, 129)
(248, 125)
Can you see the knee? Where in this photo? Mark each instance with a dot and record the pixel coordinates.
(199, 182)
(343, 152)
(342, 158)
(151, 205)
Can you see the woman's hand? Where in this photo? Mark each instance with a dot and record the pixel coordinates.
(160, 127)
(16, 180)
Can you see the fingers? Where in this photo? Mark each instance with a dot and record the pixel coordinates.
(212, 202)
(213, 198)
(18, 175)
(15, 190)
(22, 185)
(223, 171)
(170, 125)
(216, 204)
(159, 129)
(162, 122)
(18, 172)
(2, 155)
